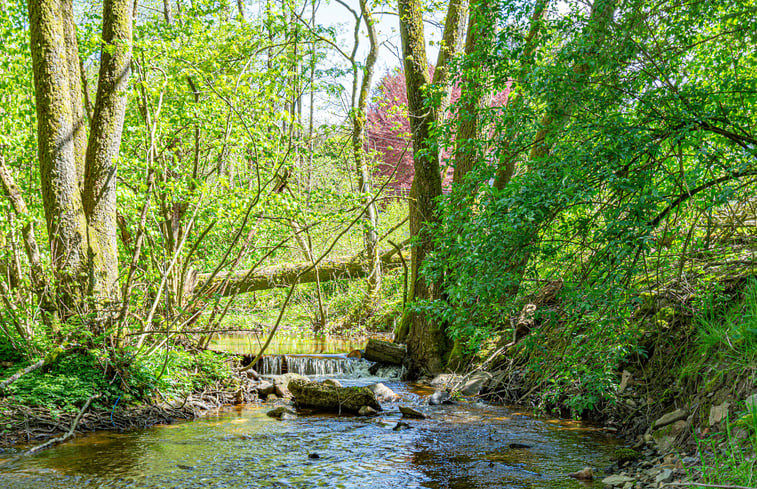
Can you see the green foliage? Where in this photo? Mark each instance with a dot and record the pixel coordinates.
(732, 461)
(637, 181)
(65, 384)
(176, 373)
(623, 455)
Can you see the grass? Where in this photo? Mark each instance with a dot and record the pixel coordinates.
(732, 461)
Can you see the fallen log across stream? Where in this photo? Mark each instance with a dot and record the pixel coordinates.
(285, 275)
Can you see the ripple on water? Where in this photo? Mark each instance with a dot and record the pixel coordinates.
(466, 446)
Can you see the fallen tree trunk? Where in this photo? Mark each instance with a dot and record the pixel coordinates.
(384, 352)
(285, 275)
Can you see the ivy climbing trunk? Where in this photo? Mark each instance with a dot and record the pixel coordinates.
(78, 178)
(426, 339)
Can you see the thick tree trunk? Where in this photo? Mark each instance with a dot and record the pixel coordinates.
(79, 178)
(57, 126)
(427, 342)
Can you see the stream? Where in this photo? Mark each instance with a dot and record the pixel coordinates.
(461, 446)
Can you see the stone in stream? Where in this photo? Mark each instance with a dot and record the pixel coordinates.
(330, 398)
(332, 382)
(280, 412)
(383, 393)
(586, 474)
(355, 354)
(401, 426)
(384, 352)
(367, 411)
(617, 480)
(475, 383)
(408, 412)
(265, 388)
(440, 397)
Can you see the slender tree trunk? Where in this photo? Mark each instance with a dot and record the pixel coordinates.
(476, 91)
(370, 222)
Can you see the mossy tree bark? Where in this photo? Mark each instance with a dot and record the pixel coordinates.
(370, 221)
(79, 179)
(426, 340)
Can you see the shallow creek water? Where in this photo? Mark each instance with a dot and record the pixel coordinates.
(462, 446)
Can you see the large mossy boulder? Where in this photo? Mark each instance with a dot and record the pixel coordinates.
(328, 397)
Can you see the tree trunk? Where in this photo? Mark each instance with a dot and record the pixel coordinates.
(370, 222)
(57, 126)
(426, 340)
(285, 275)
(476, 90)
(79, 179)
(103, 148)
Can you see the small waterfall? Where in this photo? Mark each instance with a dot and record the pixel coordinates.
(309, 366)
(333, 366)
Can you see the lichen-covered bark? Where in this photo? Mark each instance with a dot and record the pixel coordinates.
(56, 129)
(78, 176)
(426, 340)
(104, 144)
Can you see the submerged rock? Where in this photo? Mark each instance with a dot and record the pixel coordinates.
(330, 398)
(518, 446)
(280, 412)
(383, 393)
(408, 412)
(586, 474)
(401, 426)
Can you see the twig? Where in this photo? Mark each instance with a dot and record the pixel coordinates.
(20, 373)
(58, 440)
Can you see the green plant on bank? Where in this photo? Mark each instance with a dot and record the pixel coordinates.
(731, 461)
(725, 332)
(72, 377)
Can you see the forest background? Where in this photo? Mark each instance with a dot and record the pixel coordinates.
(569, 186)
